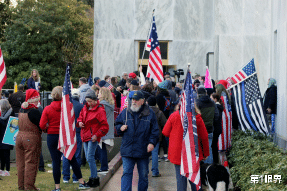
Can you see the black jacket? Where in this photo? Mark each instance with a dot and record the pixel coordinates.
(217, 123)
(209, 112)
(270, 99)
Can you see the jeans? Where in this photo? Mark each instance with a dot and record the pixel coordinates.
(66, 165)
(41, 163)
(154, 156)
(209, 159)
(104, 158)
(90, 149)
(52, 142)
(181, 181)
(128, 166)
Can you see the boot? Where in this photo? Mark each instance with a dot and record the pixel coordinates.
(90, 182)
(95, 182)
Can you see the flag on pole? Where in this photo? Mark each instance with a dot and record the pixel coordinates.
(229, 82)
(246, 71)
(207, 82)
(154, 69)
(249, 106)
(190, 164)
(109, 86)
(3, 76)
(224, 140)
(90, 80)
(15, 87)
(67, 135)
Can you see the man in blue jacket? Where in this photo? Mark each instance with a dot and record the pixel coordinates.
(138, 126)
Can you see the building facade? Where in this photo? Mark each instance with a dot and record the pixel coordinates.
(223, 34)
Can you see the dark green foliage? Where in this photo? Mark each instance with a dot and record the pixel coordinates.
(37, 35)
(253, 154)
(5, 18)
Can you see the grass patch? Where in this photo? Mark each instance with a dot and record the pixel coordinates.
(44, 180)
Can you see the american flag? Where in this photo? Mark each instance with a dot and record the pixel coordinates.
(67, 135)
(249, 106)
(3, 75)
(229, 82)
(109, 86)
(224, 140)
(190, 166)
(246, 71)
(90, 80)
(154, 63)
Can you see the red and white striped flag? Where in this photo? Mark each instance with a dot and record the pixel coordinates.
(109, 86)
(224, 140)
(154, 69)
(245, 72)
(3, 76)
(190, 163)
(67, 135)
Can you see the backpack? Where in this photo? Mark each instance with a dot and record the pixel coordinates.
(167, 104)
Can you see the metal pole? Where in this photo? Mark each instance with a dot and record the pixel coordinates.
(147, 36)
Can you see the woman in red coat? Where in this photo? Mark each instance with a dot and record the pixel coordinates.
(174, 130)
(94, 124)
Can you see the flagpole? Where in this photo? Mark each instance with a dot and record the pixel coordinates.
(147, 36)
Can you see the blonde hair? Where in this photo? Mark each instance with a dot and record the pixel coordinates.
(96, 88)
(37, 78)
(5, 105)
(107, 95)
(57, 93)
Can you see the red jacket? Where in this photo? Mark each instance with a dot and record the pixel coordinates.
(174, 130)
(51, 115)
(95, 122)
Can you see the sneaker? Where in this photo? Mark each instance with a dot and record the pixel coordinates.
(84, 186)
(158, 175)
(5, 173)
(59, 189)
(65, 181)
(50, 165)
(103, 171)
(166, 159)
(75, 181)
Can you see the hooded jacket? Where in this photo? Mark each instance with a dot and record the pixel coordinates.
(270, 99)
(83, 90)
(142, 130)
(95, 122)
(3, 124)
(174, 130)
(161, 119)
(110, 118)
(51, 115)
(208, 112)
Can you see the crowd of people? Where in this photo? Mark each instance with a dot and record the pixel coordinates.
(145, 114)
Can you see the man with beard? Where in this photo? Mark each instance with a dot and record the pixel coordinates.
(138, 126)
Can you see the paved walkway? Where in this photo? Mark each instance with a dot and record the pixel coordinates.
(167, 181)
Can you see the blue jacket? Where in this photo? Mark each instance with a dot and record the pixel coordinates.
(77, 108)
(142, 130)
(31, 83)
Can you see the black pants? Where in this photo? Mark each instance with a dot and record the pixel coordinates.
(5, 159)
(41, 163)
(164, 145)
(52, 142)
(214, 147)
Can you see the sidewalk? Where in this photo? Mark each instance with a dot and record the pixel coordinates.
(167, 181)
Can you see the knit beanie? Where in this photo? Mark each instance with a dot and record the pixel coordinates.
(151, 101)
(102, 83)
(201, 90)
(163, 85)
(91, 94)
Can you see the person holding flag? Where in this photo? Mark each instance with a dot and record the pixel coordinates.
(188, 140)
(58, 120)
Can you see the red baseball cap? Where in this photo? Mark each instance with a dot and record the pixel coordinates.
(132, 75)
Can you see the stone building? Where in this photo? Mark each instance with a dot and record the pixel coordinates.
(223, 34)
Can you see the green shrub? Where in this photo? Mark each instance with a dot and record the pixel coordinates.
(252, 153)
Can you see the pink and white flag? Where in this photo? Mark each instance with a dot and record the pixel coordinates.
(208, 82)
